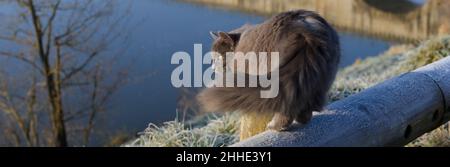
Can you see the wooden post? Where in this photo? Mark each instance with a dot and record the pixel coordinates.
(253, 124)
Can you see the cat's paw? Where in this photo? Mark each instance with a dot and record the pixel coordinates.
(276, 126)
(279, 122)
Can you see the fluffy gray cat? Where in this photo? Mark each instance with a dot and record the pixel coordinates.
(309, 53)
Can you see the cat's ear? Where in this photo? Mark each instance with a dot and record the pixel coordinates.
(214, 35)
(224, 35)
(232, 37)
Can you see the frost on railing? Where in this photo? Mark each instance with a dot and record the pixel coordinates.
(392, 113)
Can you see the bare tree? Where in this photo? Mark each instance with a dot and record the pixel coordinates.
(65, 45)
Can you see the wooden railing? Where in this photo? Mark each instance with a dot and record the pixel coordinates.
(392, 113)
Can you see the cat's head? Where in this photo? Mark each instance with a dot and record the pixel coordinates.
(223, 43)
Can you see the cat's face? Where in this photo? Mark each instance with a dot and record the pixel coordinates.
(223, 43)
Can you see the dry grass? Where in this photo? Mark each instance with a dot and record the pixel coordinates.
(220, 131)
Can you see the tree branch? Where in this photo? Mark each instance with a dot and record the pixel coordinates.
(22, 58)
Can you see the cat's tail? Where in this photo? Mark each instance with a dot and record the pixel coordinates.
(230, 99)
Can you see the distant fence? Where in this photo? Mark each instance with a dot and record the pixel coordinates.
(392, 113)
